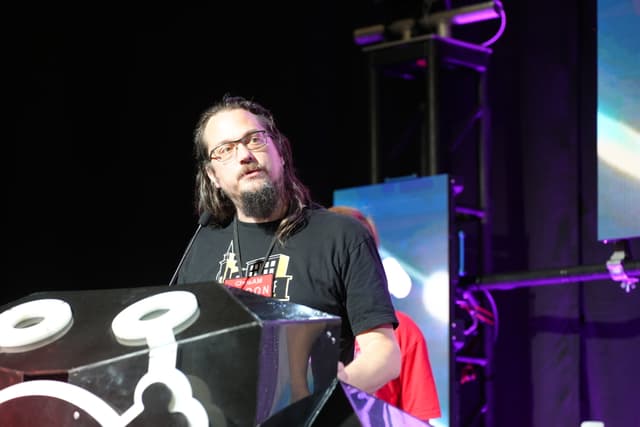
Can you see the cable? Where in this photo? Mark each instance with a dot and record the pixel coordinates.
(503, 24)
(494, 310)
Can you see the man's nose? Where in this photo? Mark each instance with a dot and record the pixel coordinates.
(244, 154)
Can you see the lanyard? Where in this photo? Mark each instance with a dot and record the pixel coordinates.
(236, 245)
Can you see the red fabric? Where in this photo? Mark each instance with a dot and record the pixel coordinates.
(414, 391)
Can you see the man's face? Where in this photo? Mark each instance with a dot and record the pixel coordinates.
(246, 172)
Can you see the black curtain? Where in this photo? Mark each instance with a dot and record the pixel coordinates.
(100, 176)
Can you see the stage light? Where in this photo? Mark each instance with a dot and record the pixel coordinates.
(442, 21)
(369, 35)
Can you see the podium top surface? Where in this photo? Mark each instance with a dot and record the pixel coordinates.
(89, 338)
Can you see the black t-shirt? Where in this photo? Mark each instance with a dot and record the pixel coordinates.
(330, 264)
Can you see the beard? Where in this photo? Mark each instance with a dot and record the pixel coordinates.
(260, 203)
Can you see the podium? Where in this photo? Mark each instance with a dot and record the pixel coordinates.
(232, 361)
(194, 355)
(342, 405)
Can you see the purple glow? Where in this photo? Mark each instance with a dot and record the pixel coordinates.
(470, 211)
(374, 412)
(477, 16)
(561, 277)
(369, 39)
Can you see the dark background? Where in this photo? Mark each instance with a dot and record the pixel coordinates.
(103, 100)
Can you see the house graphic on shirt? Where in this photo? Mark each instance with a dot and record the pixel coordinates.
(276, 264)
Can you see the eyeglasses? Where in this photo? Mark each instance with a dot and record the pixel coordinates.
(253, 141)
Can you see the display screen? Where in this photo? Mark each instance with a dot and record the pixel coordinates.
(618, 119)
(412, 220)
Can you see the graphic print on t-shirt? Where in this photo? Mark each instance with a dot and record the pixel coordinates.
(228, 265)
(277, 265)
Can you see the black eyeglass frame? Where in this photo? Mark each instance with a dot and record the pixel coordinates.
(245, 140)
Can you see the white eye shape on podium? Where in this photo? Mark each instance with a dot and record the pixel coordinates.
(174, 311)
(33, 324)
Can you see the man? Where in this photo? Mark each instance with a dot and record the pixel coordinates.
(264, 225)
(414, 390)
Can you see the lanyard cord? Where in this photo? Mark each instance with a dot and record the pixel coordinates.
(236, 245)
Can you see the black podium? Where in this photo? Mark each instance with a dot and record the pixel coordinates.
(194, 355)
(232, 361)
(342, 405)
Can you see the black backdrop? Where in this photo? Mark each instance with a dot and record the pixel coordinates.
(102, 102)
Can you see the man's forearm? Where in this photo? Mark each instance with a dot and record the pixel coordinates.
(377, 363)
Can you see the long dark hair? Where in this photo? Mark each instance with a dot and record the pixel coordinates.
(210, 199)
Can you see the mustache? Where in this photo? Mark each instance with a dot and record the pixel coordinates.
(250, 169)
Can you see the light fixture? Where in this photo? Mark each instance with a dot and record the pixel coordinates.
(369, 35)
(442, 21)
